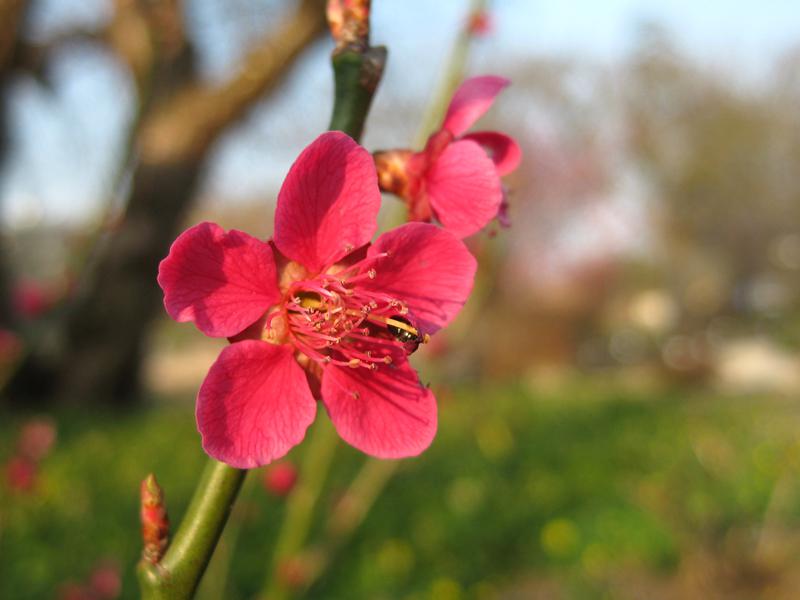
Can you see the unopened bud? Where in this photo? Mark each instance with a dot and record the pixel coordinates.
(393, 171)
(349, 23)
(155, 522)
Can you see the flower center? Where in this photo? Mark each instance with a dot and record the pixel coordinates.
(333, 319)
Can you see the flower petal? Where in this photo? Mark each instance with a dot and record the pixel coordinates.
(254, 405)
(328, 203)
(502, 149)
(221, 281)
(463, 188)
(471, 100)
(428, 269)
(386, 413)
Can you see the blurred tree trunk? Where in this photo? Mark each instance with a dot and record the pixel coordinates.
(179, 120)
(12, 16)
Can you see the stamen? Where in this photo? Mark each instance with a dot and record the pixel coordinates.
(333, 321)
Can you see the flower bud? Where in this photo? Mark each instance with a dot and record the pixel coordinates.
(155, 522)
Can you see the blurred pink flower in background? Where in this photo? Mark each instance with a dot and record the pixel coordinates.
(455, 179)
(280, 479)
(105, 580)
(105, 583)
(10, 347)
(36, 438)
(479, 23)
(31, 299)
(21, 474)
(317, 312)
(34, 442)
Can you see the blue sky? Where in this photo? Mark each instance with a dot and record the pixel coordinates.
(67, 143)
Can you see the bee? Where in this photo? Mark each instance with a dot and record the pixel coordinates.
(405, 333)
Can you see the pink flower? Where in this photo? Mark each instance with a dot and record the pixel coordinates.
(317, 308)
(456, 178)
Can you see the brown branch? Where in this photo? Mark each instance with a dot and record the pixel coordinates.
(12, 13)
(193, 119)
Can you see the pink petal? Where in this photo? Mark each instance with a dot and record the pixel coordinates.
(329, 202)
(463, 188)
(221, 281)
(471, 100)
(386, 413)
(428, 269)
(502, 149)
(254, 405)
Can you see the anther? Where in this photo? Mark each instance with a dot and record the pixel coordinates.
(372, 273)
(354, 362)
(387, 359)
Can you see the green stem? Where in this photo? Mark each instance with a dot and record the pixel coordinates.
(178, 573)
(356, 75)
(356, 72)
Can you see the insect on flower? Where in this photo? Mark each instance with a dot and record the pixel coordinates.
(317, 313)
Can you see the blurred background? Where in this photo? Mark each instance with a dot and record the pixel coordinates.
(618, 401)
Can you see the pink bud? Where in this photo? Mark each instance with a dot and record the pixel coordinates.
(280, 478)
(155, 522)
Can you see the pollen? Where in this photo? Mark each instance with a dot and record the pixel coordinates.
(334, 320)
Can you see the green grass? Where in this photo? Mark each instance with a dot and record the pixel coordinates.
(572, 487)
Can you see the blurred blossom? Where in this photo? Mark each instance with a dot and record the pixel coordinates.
(75, 591)
(10, 347)
(757, 365)
(653, 310)
(31, 299)
(293, 572)
(21, 474)
(280, 479)
(105, 581)
(36, 439)
(479, 23)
